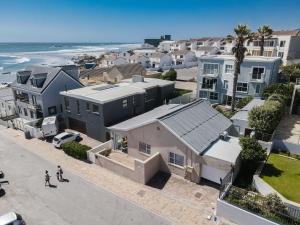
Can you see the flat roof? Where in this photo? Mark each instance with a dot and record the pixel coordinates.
(227, 150)
(247, 58)
(243, 113)
(103, 93)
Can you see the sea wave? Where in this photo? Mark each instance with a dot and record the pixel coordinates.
(16, 60)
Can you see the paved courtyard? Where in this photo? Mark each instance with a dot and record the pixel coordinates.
(179, 201)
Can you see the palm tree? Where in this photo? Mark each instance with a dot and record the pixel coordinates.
(263, 32)
(242, 33)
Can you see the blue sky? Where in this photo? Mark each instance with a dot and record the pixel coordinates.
(134, 20)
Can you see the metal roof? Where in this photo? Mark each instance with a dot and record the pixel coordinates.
(197, 124)
(243, 113)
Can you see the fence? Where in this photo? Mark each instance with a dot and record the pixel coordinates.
(271, 208)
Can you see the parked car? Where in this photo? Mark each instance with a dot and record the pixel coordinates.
(65, 137)
(11, 219)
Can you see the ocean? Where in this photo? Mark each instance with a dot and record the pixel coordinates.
(17, 56)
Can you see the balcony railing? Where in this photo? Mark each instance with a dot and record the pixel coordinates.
(22, 98)
(214, 73)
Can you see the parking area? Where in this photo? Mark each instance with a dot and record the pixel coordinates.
(178, 200)
(86, 140)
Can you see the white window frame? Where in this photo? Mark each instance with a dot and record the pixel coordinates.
(259, 67)
(230, 69)
(213, 69)
(172, 159)
(125, 103)
(225, 84)
(144, 148)
(242, 91)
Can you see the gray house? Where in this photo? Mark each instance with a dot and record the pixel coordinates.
(91, 109)
(215, 78)
(36, 90)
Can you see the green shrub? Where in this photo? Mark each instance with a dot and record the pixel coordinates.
(285, 90)
(265, 118)
(252, 151)
(170, 75)
(243, 102)
(274, 203)
(76, 150)
(226, 113)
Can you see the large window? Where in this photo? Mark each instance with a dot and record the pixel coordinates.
(145, 148)
(257, 72)
(95, 108)
(282, 43)
(176, 159)
(213, 96)
(280, 54)
(67, 104)
(228, 68)
(202, 94)
(210, 68)
(208, 83)
(242, 87)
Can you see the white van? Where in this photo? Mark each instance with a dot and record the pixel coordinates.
(11, 219)
(50, 126)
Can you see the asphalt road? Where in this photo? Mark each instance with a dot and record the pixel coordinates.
(76, 202)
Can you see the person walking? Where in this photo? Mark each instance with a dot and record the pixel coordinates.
(60, 173)
(57, 175)
(47, 178)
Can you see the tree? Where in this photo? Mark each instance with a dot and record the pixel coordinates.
(263, 32)
(291, 71)
(242, 33)
(170, 75)
(252, 151)
(285, 90)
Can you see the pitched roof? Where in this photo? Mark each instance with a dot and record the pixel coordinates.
(129, 69)
(243, 113)
(295, 32)
(96, 72)
(198, 125)
(201, 39)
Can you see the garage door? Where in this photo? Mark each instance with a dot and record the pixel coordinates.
(77, 125)
(212, 174)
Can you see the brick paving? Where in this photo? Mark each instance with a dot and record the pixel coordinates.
(179, 201)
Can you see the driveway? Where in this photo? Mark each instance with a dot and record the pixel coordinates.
(76, 202)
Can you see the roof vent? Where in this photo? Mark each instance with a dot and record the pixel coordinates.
(224, 136)
(137, 78)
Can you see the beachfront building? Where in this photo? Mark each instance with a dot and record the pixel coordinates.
(184, 57)
(112, 59)
(155, 41)
(284, 44)
(36, 90)
(180, 45)
(123, 71)
(143, 60)
(7, 103)
(160, 60)
(215, 77)
(145, 49)
(165, 46)
(91, 109)
(188, 140)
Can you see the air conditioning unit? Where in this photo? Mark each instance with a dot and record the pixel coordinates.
(224, 136)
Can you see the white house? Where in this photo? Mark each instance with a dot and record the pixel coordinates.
(206, 50)
(184, 57)
(180, 45)
(199, 42)
(112, 59)
(165, 46)
(160, 60)
(284, 44)
(141, 59)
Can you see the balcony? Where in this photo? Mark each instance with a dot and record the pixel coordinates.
(212, 74)
(22, 98)
(35, 107)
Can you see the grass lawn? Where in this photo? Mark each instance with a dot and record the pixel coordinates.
(283, 174)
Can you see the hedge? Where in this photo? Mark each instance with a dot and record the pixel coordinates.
(76, 150)
(284, 90)
(265, 118)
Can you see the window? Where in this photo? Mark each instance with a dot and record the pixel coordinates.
(268, 53)
(257, 89)
(202, 94)
(95, 109)
(209, 83)
(280, 54)
(78, 107)
(210, 68)
(125, 103)
(242, 87)
(145, 148)
(257, 72)
(282, 43)
(213, 96)
(225, 85)
(19, 109)
(25, 112)
(31, 114)
(33, 98)
(67, 104)
(176, 159)
(228, 68)
(87, 106)
(52, 110)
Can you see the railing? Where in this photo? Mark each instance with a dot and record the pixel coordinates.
(22, 98)
(270, 208)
